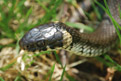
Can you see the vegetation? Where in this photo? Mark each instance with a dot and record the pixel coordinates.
(19, 16)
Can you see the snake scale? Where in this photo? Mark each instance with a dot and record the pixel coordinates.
(57, 35)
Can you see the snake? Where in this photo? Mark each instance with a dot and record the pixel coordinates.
(57, 35)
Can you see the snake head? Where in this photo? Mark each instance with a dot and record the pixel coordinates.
(42, 37)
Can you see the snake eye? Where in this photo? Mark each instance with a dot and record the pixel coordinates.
(40, 43)
(27, 47)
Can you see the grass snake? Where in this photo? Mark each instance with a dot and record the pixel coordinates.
(57, 35)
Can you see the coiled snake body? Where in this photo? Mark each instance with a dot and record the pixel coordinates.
(57, 35)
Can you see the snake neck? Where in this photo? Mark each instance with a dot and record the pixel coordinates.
(98, 42)
(88, 45)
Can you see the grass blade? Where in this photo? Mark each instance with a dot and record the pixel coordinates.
(63, 73)
(52, 70)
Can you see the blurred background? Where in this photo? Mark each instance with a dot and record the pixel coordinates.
(19, 16)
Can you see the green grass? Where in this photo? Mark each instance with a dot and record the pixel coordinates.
(80, 26)
(18, 78)
(1, 79)
(7, 67)
(61, 79)
(52, 70)
(109, 62)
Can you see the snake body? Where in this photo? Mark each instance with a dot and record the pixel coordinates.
(57, 35)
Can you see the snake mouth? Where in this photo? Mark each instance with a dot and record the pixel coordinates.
(40, 45)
